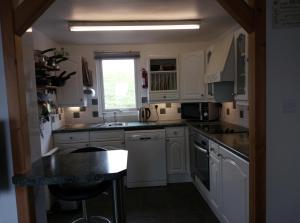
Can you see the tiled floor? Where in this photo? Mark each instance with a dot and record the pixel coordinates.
(176, 203)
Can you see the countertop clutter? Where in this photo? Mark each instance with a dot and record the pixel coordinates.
(233, 137)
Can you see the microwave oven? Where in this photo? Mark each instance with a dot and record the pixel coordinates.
(203, 111)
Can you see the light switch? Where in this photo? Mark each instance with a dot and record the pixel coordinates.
(289, 106)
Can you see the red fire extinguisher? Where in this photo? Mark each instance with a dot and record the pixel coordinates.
(144, 78)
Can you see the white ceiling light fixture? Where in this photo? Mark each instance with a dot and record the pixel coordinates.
(29, 30)
(134, 26)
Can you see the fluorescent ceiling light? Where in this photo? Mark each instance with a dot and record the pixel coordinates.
(29, 30)
(133, 26)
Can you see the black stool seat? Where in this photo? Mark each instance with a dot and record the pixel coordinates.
(79, 192)
(83, 191)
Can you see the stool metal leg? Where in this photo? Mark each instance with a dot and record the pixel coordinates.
(118, 201)
(84, 211)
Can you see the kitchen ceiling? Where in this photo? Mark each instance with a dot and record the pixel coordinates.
(54, 22)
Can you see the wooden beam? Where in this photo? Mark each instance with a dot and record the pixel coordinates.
(241, 12)
(258, 116)
(14, 76)
(28, 12)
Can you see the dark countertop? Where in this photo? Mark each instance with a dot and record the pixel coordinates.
(237, 143)
(128, 127)
(75, 168)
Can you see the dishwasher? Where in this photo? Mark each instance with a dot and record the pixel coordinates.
(146, 164)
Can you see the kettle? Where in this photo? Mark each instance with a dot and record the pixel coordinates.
(144, 114)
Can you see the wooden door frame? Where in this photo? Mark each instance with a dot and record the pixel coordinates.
(16, 19)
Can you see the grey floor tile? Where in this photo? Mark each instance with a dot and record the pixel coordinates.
(176, 203)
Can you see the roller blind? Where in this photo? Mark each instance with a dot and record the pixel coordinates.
(116, 55)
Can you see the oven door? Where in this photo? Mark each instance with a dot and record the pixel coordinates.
(201, 163)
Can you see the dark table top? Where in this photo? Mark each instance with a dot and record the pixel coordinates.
(75, 168)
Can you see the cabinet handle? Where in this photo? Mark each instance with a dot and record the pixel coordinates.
(71, 137)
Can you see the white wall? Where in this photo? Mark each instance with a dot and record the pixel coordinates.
(42, 42)
(146, 50)
(283, 123)
(8, 208)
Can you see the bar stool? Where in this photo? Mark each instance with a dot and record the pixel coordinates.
(82, 192)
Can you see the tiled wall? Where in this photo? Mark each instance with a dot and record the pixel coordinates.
(90, 114)
(238, 114)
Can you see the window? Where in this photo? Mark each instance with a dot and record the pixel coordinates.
(118, 84)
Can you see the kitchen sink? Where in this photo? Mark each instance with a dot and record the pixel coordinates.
(112, 124)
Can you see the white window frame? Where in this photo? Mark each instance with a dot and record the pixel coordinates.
(100, 84)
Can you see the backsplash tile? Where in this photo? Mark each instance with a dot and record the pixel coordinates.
(91, 115)
(168, 105)
(94, 101)
(82, 109)
(76, 115)
(162, 111)
(95, 114)
(238, 114)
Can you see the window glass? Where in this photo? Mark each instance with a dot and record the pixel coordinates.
(118, 84)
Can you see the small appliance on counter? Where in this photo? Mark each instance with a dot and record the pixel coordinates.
(203, 111)
(144, 114)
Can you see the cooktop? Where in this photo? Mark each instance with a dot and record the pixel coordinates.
(220, 128)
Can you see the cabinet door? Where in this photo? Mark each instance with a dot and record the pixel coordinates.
(176, 155)
(214, 165)
(234, 188)
(192, 85)
(71, 94)
(241, 57)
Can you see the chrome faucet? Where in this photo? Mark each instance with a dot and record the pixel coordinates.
(103, 117)
(115, 116)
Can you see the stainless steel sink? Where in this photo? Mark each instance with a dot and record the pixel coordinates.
(112, 124)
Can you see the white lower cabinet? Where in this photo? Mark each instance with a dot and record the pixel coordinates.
(234, 188)
(111, 139)
(229, 185)
(175, 155)
(214, 163)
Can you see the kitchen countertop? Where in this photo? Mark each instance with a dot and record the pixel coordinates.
(238, 143)
(128, 127)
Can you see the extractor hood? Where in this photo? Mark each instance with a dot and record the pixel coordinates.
(220, 60)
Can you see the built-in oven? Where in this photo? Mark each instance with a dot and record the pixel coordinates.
(200, 158)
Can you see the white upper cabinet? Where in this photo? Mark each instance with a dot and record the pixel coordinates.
(71, 94)
(234, 188)
(163, 79)
(241, 67)
(192, 85)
